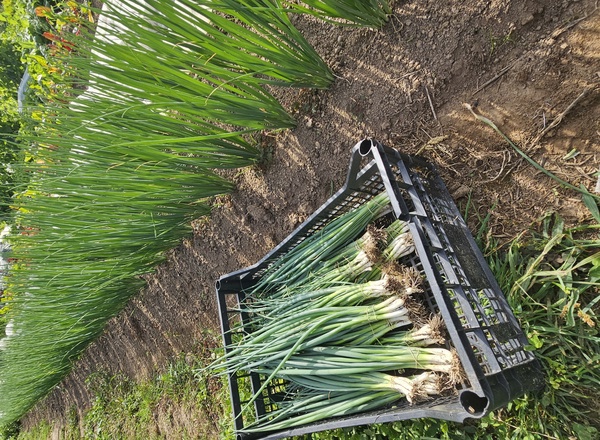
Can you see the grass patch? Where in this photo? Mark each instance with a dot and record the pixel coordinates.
(552, 280)
(174, 404)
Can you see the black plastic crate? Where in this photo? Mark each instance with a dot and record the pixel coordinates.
(459, 285)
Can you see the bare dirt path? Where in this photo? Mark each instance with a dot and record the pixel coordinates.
(521, 63)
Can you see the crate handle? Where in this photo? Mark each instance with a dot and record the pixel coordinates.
(474, 404)
(364, 146)
(381, 154)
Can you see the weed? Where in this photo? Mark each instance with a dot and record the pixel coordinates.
(498, 41)
(124, 408)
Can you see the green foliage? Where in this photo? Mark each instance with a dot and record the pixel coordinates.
(551, 281)
(14, 41)
(42, 430)
(11, 70)
(10, 431)
(556, 297)
(419, 429)
(117, 395)
(14, 23)
(123, 408)
(54, 28)
(11, 67)
(368, 13)
(10, 159)
(592, 204)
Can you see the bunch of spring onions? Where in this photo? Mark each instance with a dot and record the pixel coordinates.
(338, 319)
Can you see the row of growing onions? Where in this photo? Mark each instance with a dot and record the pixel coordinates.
(173, 88)
(339, 320)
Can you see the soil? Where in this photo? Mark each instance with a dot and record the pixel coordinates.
(519, 63)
